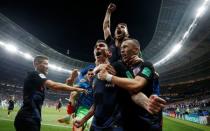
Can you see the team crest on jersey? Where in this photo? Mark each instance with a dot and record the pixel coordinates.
(42, 76)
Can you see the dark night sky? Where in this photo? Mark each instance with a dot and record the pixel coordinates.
(76, 25)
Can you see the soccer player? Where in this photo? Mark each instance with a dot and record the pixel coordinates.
(83, 102)
(71, 103)
(28, 117)
(140, 77)
(59, 105)
(11, 104)
(121, 34)
(106, 109)
(69, 109)
(107, 106)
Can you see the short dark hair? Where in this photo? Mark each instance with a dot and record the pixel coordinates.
(136, 42)
(124, 24)
(98, 41)
(40, 58)
(91, 69)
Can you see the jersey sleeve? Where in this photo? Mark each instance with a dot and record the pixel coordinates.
(82, 84)
(39, 78)
(147, 71)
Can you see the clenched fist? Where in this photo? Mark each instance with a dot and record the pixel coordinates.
(111, 8)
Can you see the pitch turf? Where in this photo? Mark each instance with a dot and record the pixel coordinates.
(50, 116)
(49, 120)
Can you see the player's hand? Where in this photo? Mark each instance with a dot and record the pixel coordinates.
(110, 70)
(156, 104)
(74, 73)
(107, 67)
(82, 90)
(78, 123)
(134, 60)
(72, 77)
(111, 8)
(102, 74)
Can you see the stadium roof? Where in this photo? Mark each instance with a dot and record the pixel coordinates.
(179, 19)
(176, 17)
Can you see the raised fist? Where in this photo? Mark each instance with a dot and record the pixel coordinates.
(111, 8)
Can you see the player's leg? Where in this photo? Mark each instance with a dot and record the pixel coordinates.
(81, 112)
(26, 125)
(66, 119)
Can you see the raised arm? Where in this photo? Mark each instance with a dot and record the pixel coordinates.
(106, 24)
(72, 77)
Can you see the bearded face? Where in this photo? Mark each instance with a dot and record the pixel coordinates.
(121, 32)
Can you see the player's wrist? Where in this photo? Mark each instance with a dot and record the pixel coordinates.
(109, 77)
(108, 11)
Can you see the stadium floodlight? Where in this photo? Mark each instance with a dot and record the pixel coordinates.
(11, 48)
(176, 48)
(67, 71)
(200, 11)
(25, 55)
(53, 66)
(185, 34)
(58, 68)
(2, 43)
(28, 56)
(173, 51)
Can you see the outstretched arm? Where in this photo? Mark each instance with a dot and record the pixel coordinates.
(106, 24)
(63, 87)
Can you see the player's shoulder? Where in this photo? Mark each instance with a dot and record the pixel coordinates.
(82, 80)
(36, 75)
(118, 64)
(31, 74)
(148, 64)
(147, 69)
(109, 39)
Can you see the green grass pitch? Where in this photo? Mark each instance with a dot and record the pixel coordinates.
(50, 116)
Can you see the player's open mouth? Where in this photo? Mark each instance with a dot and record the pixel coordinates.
(119, 32)
(98, 54)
